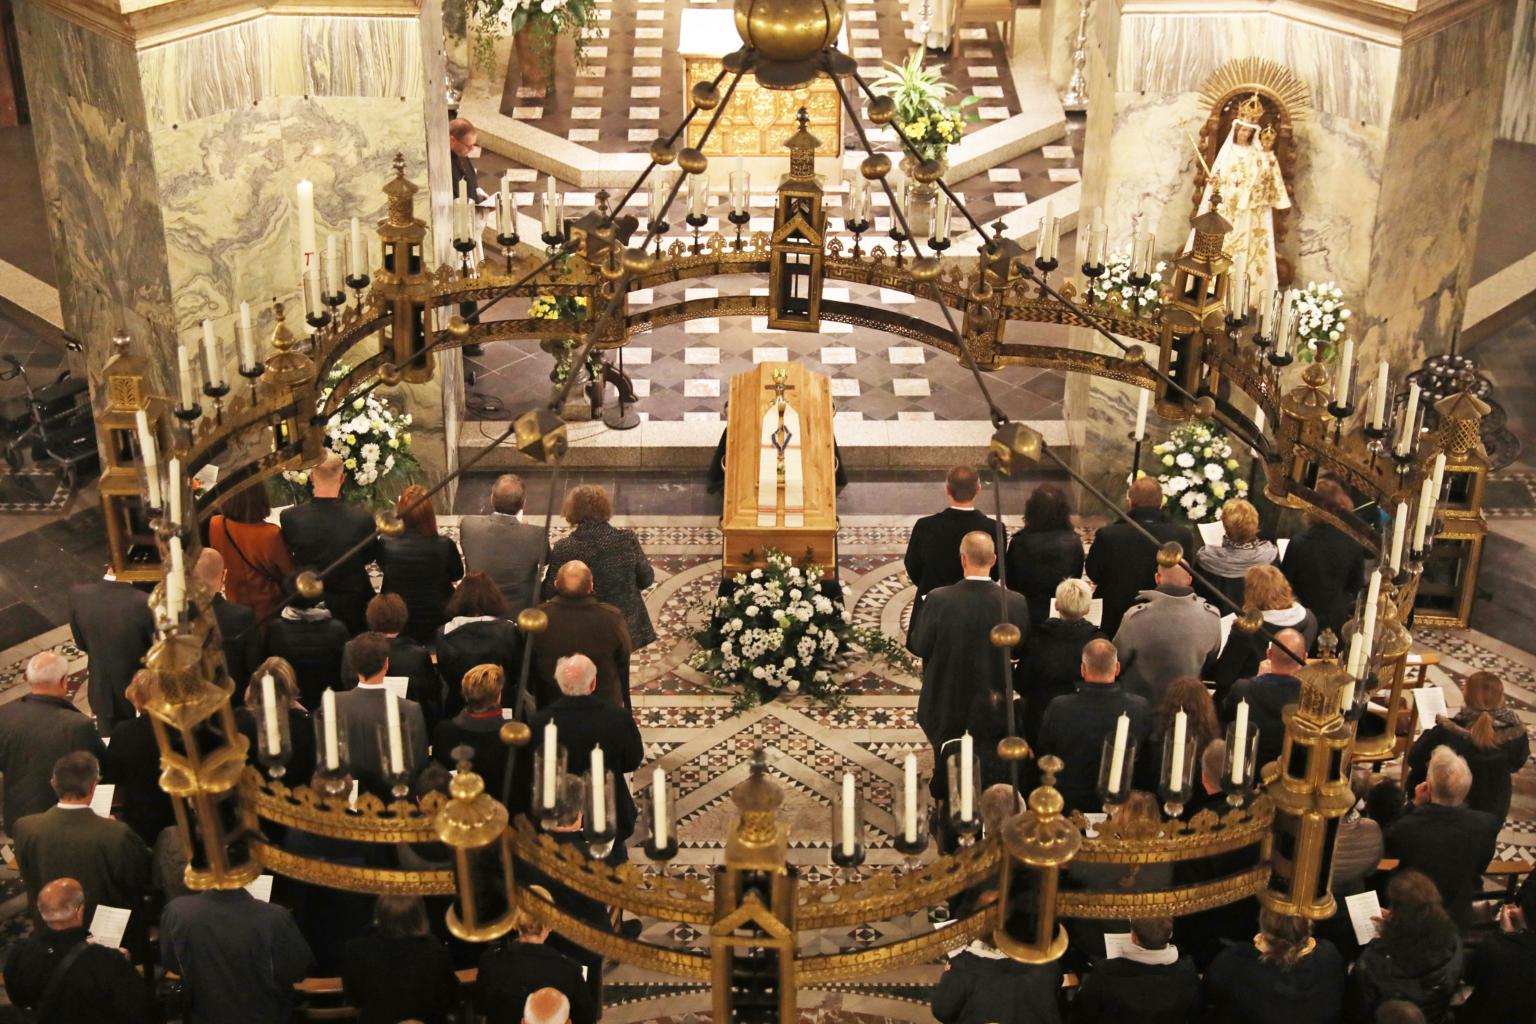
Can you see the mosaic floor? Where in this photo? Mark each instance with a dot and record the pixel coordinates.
(690, 730)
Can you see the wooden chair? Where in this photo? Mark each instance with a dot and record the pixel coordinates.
(988, 12)
(322, 999)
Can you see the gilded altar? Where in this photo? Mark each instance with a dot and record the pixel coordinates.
(756, 120)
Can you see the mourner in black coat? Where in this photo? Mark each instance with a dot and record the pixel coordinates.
(1121, 562)
(309, 638)
(933, 551)
(1053, 658)
(1075, 726)
(1045, 551)
(1326, 566)
(112, 624)
(324, 528)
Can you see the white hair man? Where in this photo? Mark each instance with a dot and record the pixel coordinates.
(547, 1006)
(585, 720)
(38, 730)
(1443, 838)
(959, 662)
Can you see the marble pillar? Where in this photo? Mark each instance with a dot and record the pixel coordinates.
(1392, 153)
(1058, 38)
(1517, 121)
(171, 142)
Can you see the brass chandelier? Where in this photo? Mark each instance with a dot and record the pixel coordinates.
(1214, 358)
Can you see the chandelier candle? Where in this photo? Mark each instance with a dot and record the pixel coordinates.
(1437, 475)
(173, 472)
(659, 822)
(1368, 620)
(850, 805)
(188, 393)
(247, 338)
(356, 265)
(1262, 313)
(1143, 396)
(1347, 696)
(1043, 244)
(1098, 238)
(551, 767)
(269, 712)
(1239, 742)
(332, 266)
(149, 456)
(967, 778)
(1405, 433)
(213, 356)
(1379, 398)
(599, 772)
(1176, 759)
(1117, 759)
(396, 743)
(176, 580)
(1399, 530)
(332, 744)
(506, 211)
(698, 195)
(1426, 512)
(306, 194)
(909, 798)
(1346, 371)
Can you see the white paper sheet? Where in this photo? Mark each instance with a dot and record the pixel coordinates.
(261, 888)
(396, 685)
(1116, 943)
(1226, 631)
(101, 800)
(108, 925)
(1362, 908)
(1211, 534)
(1430, 700)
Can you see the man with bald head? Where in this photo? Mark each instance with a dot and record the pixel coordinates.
(1076, 725)
(35, 732)
(581, 624)
(1268, 693)
(1121, 562)
(237, 623)
(952, 637)
(318, 531)
(95, 983)
(504, 547)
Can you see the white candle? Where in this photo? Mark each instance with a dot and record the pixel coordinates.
(1240, 742)
(1352, 664)
(332, 743)
(551, 766)
(1406, 432)
(213, 355)
(506, 210)
(460, 209)
(1176, 760)
(269, 712)
(659, 822)
(1047, 229)
(967, 778)
(1399, 531)
(184, 371)
(698, 195)
(1258, 420)
(1098, 237)
(396, 740)
(1117, 757)
(1143, 397)
(1426, 510)
(941, 218)
(175, 582)
(1368, 620)
(1262, 312)
(247, 338)
(173, 473)
(849, 807)
(357, 264)
(1346, 370)
(1379, 398)
(178, 561)
(599, 772)
(1287, 314)
(1437, 476)
(306, 194)
(332, 266)
(149, 456)
(909, 797)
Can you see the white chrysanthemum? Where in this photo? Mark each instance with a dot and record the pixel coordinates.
(1212, 471)
(1185, 460)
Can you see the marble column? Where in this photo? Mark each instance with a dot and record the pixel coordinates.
(1392, 152)
(171, 138)
(1517, 121)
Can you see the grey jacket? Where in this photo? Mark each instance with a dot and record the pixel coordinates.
(1169, 634)
(508, 552)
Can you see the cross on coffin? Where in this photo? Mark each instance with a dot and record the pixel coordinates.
(781, 436)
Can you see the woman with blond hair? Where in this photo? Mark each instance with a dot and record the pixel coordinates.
(1052, 664)
(301, 728)
(620, 570)
(1226, 564)
(1487, 734)
(1265, 588)
(476, 727)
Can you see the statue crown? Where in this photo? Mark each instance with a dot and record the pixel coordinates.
(1251, 109)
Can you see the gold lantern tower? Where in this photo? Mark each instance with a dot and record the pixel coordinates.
(124, 504)
(1448, 585)
(1194, 314)
(799, 239)
(403, 283)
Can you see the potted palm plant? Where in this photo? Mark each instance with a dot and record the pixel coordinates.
(925, 117)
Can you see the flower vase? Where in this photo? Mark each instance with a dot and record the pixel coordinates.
(921, 195)
(535, 57)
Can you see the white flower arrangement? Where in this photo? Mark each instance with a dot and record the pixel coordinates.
(784, 630)
(1321, 320)
(374, 442)
(1198, 471)
(1114, 288)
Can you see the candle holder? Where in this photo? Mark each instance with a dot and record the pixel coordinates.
(335, 785)
(662, 852)
(1136, 452)
(660, 226)
(1278, 358)
(464, 246)
(1112, 789)
(272, 751)
(696, 221)
(939, 244)
(335, 301)
(253, 373)
(317, 320)
(1137, 283)
(217, 393)
(399, 781)
(548, 813)
(188, 414)
(914, 848)
(1239, 785)
(848, 850)
(1046, 266)
(963, 826)
(1092, 271)
(1176, 788)
(740, 218)
(357, 284)
(599, 840)
(857, 228)
(1339, 413)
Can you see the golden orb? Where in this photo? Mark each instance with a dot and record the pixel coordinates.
(388, 523)
(309, 585)
(705, 95)
(1004, 634)
(1249, 621)
(458, 326)
(389, 375)
(692, 160)
(925, 268)
(1135, 355)
(532, 620)
(789, 30)
(981, 291)
(882, 110)
(875, 166)
(928, 171)
(1205, 407)
(663, 152)
(637, 260)
(1012, 748)
(516, 734)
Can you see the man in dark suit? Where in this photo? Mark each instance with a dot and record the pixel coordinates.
(959, 661)
(113, 625)
(325, 527)
(1122, 562)
(504, 547)
(933, 551)
(464, 140)
(581, 624)
(239, 958)
(94, 983)
(1443, 838)
(237, 623)
(387, 616)
(1268, 694)
(363, 714)
(584, 720)
(1076, 724)
(70, 840)
(36, 731)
